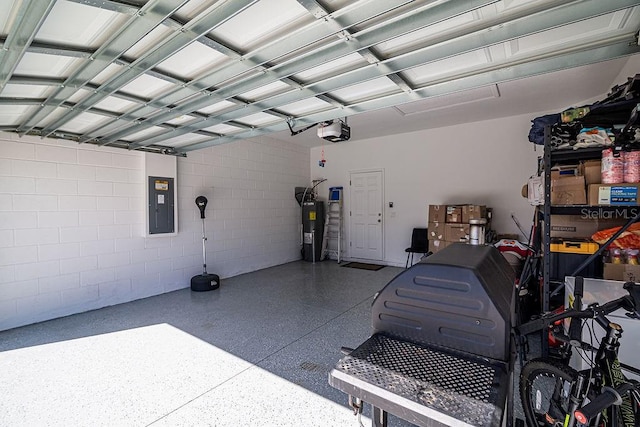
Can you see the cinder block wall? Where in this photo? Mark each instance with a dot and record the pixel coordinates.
(72, 222)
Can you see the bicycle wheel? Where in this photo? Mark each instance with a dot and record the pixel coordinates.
(545, 388)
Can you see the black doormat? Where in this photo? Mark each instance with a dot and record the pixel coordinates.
(363, 266)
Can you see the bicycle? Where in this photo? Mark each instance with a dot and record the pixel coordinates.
(554, 394)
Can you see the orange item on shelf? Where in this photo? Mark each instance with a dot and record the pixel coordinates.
(630, 238)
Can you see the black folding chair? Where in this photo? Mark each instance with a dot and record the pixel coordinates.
(419, 244)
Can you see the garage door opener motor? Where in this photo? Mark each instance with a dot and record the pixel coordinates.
(205, 281)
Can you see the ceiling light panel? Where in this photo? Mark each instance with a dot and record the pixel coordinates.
(43, 65)
(182, 120)
(118, 105)
(192, 9)
(422, 37)
(218, 107)
(332, 68)
(7, 16)
(262, 22)
(149, 41)
(446, 67)
(14, 114)
(258, 119)
(83, 122)
(97, 25)
(192, 61)
(305, 106)
(223, 129)
(184, 140)
(25, 91)
(55, 115)
(365, 90)
(79, 95)
(265, 91)
(109, 72)
(147, 86)
(145, 134)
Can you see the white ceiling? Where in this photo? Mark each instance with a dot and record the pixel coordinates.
(178, 75)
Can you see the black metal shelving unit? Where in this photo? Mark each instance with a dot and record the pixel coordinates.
(550, 158)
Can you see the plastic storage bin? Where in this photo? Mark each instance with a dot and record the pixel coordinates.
(567, 255)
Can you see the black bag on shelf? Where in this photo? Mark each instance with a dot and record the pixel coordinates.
(536, 134)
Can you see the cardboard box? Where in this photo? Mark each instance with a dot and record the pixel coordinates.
(456, 233)
(437, 245)
(454, 214)
(581, 227)
(436, 230)
(437, 213)
(592, 171)
(622, 272)
(614, 194)
(470, 212)
(568, 190)
(565, 171)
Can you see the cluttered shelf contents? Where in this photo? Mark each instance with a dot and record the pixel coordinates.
(590, 200)
(585, 198)
(587, 188)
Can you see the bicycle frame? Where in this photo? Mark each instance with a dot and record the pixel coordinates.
(609, 365)
(608, 373)
(600, 395)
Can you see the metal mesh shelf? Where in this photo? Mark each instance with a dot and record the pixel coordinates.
(454, 388)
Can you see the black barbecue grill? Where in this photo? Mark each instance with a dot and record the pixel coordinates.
(441, 353)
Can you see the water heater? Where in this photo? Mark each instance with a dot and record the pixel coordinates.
(312, 230)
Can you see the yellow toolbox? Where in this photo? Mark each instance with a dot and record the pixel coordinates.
(567, 255)
(574, 247)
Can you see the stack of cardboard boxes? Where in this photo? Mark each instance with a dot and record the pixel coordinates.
(581, 184)
(569, 183)
(450, 223)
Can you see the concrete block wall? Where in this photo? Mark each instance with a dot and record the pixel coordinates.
(252, 218)
(72, 218)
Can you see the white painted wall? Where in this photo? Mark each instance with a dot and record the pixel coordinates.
(72, 216)
(482, 163)
(630, 69)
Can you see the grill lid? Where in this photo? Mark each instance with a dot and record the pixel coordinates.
(459, 298)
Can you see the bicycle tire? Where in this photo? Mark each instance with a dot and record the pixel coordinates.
(545, 386)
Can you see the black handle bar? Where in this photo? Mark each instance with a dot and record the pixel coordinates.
(628, 302)
(609, 397)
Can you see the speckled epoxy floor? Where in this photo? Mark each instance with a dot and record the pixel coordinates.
(256, 352)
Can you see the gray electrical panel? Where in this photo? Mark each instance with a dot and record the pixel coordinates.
(161, 205)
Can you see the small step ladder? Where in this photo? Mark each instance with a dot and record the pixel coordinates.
(332, 238)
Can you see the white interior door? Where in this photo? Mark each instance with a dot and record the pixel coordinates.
(365, 220)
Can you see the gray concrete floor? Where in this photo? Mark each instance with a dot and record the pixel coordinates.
(255, 352)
